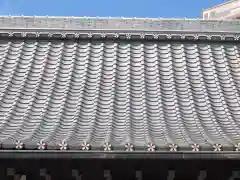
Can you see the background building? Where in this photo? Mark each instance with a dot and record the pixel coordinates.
(227, 10)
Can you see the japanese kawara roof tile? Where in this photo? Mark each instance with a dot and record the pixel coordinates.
(116, 93)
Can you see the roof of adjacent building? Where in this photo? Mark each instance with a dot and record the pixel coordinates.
(117, 85)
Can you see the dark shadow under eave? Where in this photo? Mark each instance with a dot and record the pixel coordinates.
(119, 169)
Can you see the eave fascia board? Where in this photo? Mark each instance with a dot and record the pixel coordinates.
(28, 154)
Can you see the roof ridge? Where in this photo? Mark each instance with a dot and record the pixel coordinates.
(113, 18)
(61, 24)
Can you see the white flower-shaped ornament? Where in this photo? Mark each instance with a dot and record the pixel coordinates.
(169, 36)
(142, 35)
(195, 147)
(90, 35)
(107, 146)
(103, 35)
(128, 36)
(237, 147)
(182, 36)
(236, 38)
(217, 147)
(129, 147)
(116, 35)
(18, 144)
(85, 146)
(209, 37)
(195, 37)
(155, 36)
(41, 145)
(63, 145)
(173, 147)
(151, 147)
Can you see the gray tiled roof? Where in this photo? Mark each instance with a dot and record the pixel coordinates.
(119, 92)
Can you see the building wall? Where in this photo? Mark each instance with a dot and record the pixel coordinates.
(227, 10)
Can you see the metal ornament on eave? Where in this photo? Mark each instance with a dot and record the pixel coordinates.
(19, 145)
(121, 35)
(107, 146)
(63, 145)
(85, 146)
(41, 145)
(129, 147)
